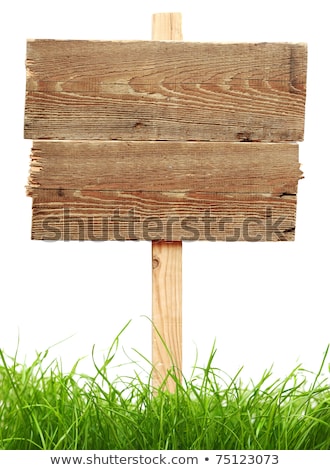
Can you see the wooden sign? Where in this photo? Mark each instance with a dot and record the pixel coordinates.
(164, 140)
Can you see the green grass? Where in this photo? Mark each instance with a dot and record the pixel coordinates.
(41, 407)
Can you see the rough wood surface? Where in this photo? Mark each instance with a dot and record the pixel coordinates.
(163, 90)
(165, 167)
(163, 190)
(96, 216)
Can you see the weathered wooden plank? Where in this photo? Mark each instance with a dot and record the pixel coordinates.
(164, 90)
(163, 190)
(102, 215)
(165, 167)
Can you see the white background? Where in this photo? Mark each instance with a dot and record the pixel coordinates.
(264, 303)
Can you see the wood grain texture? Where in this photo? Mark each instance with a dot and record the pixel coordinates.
(165, 167)
(163, 90)
(167, 313)
(167, 26)
(163, 190)
(99, 215)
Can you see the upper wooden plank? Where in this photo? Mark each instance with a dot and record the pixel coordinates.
(165, 90)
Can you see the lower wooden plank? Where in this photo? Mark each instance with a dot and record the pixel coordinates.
(163, 191)
(103, 215)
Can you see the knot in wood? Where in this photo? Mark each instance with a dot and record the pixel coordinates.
(155, 262)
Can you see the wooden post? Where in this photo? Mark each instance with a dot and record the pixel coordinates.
(167, 26)
(166, 267)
